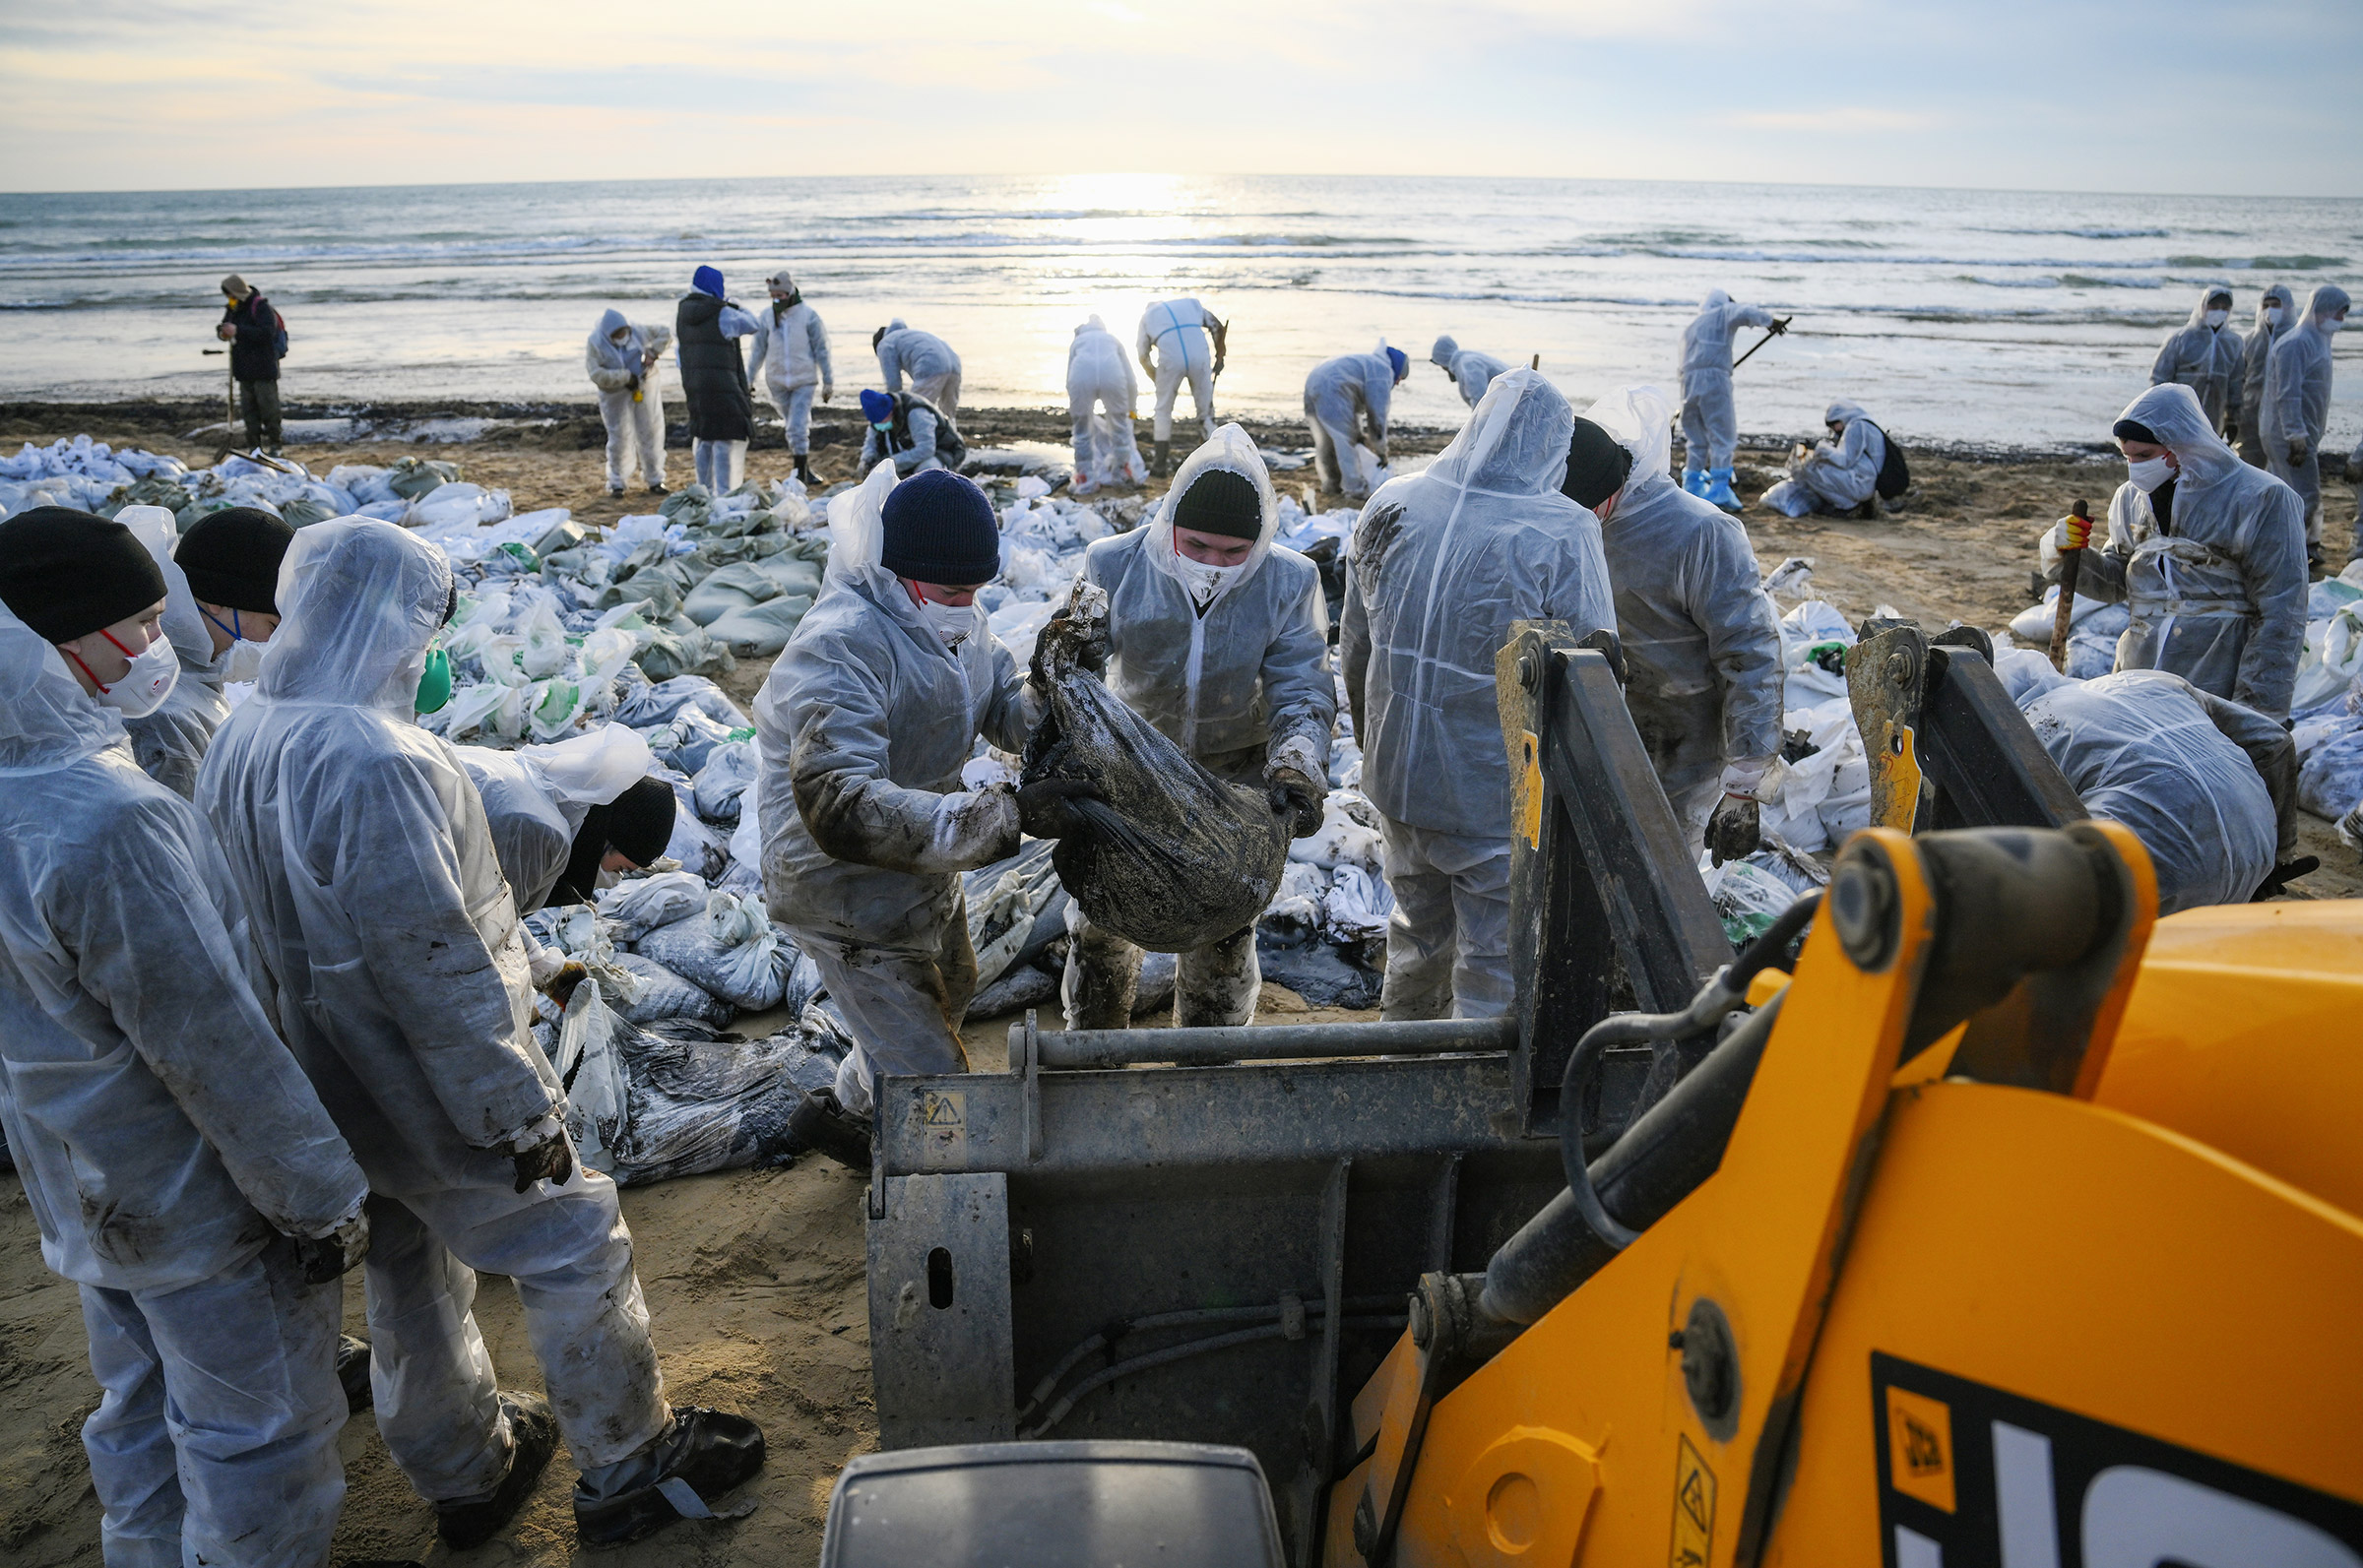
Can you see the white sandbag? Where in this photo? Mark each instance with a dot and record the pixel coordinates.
(632, 909)
(733, 951)
(663, 993)
(724, 782)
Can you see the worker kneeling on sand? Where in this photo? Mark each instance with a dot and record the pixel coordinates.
(1444, 563)
(2207, 553)
(179, 1165)
(1701, 640)
(1220, 639)
(624, 359)
(863, 724)
(1839, 472)
(392, 937)
(1346, 404)
(1099, 383)
(2209, 787)
(913, 432)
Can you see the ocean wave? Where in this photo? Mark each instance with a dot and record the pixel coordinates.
(2095, 231)
(2082, 280)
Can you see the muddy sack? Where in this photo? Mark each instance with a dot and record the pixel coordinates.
(1171, 857)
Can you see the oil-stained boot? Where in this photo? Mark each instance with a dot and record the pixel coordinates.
(1163, 463)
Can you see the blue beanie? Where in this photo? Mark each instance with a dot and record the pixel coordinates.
(1400, 360)
(941, 529)
(876, 406)
(706, 280)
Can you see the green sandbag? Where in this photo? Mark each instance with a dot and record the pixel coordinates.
(758, 631)
(412, 478)
(728, 588)
(789, 574)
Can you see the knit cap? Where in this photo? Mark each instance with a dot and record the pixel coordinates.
(941, 529)
(66, 573)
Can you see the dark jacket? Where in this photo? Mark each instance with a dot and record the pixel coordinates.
(713, 373)
(254, 352)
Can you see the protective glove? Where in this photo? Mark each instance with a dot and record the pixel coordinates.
(551, 1161)
(1735, 829)
(1293, 794)
(828, 394)
(1045, 807)
(324, 1258)
(1379, 451)
(2297, 449)
(2073, 533)
(1090, 645)
(2282, 875)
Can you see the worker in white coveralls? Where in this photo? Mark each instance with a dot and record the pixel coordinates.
(2208, 553)
(789, 352)
(2297, 407)
(863, 726)
(1445, 562)
(182, 1170)
(624, 359)
(933, 370)
(1220, 639)
(1100, 388)
(1471, 371)
(1710, 419)
(391, 937)
(1346, 403)
(1701, 640)
(1837, 473)
(2277, 313)
(1180, 340)
(218, 615)
(2206, 356)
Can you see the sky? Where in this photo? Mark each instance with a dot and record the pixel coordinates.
(2065, 95)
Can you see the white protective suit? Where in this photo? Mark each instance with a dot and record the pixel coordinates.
(1445, 562)
(167, 1144)
(1099, 378)
(933, 370)
(634, 416)
(2218, 587)
(392, 937)
(2252, 354)
(2297, 403)
(2188, 771)
(535, 799)
(1243, 687)
(1837, 476)
(1710, 419)
(2207, 360)
(1344, 402)
(1701, 640)
(863, 724)
(790, 357)
(1177, 330)
(170, 742)
(1471, 372)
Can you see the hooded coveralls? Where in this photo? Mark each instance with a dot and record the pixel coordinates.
(2297, 404)
(863, 724)
(2252, 354)
(933, 370)
(170, 742)
(1444, 563)
(2207, 360)
(1471, 372)
(1710, 420)
(634, 416)
(1837, 476)
(2217, 589)
(392, 937)
(1178, 328)
(1345, 404)
(1243, 687)
(1100, 378)
(167, 1143)
(791, 355)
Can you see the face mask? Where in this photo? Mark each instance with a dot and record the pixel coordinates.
(1202, 581)
(154, 672)
(2217, 318)
(2273, 315)
(2149, 473)
(953, 623)
(2333, 322)
(434, 681)
(242, 660)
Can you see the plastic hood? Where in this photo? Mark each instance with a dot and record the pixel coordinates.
(45, 721)
(1231, 448)
(1515, 442)
(2172, 414)
(1641, 420)
(184, 622)
(2198, 309)
(360, 600)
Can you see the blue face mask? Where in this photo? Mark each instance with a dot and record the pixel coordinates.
(434, 681)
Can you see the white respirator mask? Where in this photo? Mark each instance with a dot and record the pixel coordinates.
(2217, 318)
(2149, 473)
(2333, 322)
(154, 672)
(2275, 315)
(1202, 583)
(953, 623)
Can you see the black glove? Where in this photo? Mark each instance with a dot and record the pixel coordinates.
(551, 1161)
(324, 1258)
(1045, 807)
(2282, 875)
(1293, 794)
(1735, 829)
(1090, 648)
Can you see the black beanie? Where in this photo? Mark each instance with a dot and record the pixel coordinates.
(1219, 501)
(2133, 431)
(941, 529)
(66, 573)
(637, 824)
(232, 558)
(1597, 465)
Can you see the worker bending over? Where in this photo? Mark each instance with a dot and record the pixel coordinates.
(1471, 372)
(790, 356)
(1444, 563)
(1345, 405)
(391, 936)
(1701, 640)
(913, 432)
(2297, 407)
(182, 1170)
(623, 358)
(1220, 639)
(220, 611)
(1710, 419)
(863, 726)
(722, 410)
(1173, 347)
(2206, 354)
(933, 370)
(1841, 473)
(2207, 553)
(1099, 382)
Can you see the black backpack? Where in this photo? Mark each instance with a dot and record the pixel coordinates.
(1894, 475)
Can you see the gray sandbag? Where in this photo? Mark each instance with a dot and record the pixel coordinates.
(664, 995)
(759, 631)
(1020, 989)
(1015, 908)
(726, 589)
(724, 782)
(636, 908)
(663, 700)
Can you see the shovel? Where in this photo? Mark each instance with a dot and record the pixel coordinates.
(2070, 561)
(1778, 327)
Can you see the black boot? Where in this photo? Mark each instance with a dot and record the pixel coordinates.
(352, 1371)
(803, 471)
(823, 1124)
(1163, 461)
(535, 1432)
(708, 1451)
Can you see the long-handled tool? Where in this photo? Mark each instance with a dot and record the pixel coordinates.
(1777, 328)
(230, 402)
(2071, 560)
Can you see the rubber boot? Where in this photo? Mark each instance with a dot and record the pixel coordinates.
(1163, 463)
(1718, 491)
(1695, 480)
(819, 1122)
(706, 1454)
(804, 470)
(535, 1432)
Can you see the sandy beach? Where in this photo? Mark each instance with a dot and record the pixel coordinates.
(755, 1279)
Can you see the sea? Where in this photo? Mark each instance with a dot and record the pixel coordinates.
(2008, 320)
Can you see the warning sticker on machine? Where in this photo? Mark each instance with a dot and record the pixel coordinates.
(942, 1116)
(1968, 1474)
(1694, 1509)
